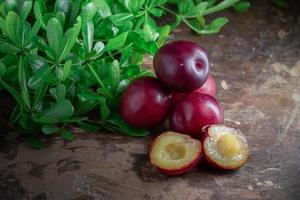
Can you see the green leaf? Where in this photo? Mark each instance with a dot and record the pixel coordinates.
(176, 23)
(75, 119)
(55, 36)
(88, 35)
(104, 109)
(216, 25)
(69, 40)
(103, 8)
(38, 77)
(12, 26)
(39, 12)
(3, 26)
(41, 44)
(39, 94)
(50, 129)
(141, 44)
(163, 35)
(211, 3)
(197, 10)
(57, 112)
(156, 12)
(213, 27)
(35, 143)
(75, 7)
(10, 60)
(2, 69)
(67, 69)
(220, 6)
(63, 6)
(59, 92)
(120, 19)
(98, 47)
(85, 106)
(25, 121)
(133, 6)
(121, 126)
(11, 4)
(26, 8)
(105, 92)
(90, 127)
(242, 6)
(23, 83)
(154, 3)
(67, 135)
(150, 33)
(184, 6)
(114, 74)
(7, 47)
(60, 16)
(88, 11)
(122, 86)
(117, 42)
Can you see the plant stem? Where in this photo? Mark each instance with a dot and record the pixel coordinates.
(168, 10)
(189, 25)
(221, 6)
(96, 75)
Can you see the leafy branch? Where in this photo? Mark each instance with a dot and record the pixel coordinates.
(63, 60)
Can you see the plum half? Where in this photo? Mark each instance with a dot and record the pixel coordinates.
(175, 153)
(182, 66)
(194, 112)
(145, 103)
(225, 147)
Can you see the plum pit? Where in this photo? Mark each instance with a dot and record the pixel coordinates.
(228, 145)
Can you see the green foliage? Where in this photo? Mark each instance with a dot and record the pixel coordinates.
(62, 59)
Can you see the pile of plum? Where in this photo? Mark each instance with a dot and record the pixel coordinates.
(184, 92)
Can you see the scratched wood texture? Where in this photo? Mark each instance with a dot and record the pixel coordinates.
(256, 62)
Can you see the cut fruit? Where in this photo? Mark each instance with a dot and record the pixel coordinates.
(174, 153)
(228, 145)
(225, 147)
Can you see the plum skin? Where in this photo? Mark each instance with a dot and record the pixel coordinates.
(182, 66)
(145, 103)
(194, 112)
(209, 88)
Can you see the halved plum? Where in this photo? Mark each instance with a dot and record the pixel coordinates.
(175, 153)
(225, 147)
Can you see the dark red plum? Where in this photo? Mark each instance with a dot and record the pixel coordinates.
(145, 103)
(182, 66)
(194, 112)
(209, 88)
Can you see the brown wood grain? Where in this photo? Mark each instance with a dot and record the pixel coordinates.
(256, 62)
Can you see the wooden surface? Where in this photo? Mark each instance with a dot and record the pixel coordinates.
(256, 62)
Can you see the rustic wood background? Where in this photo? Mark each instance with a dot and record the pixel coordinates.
(256, 62)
